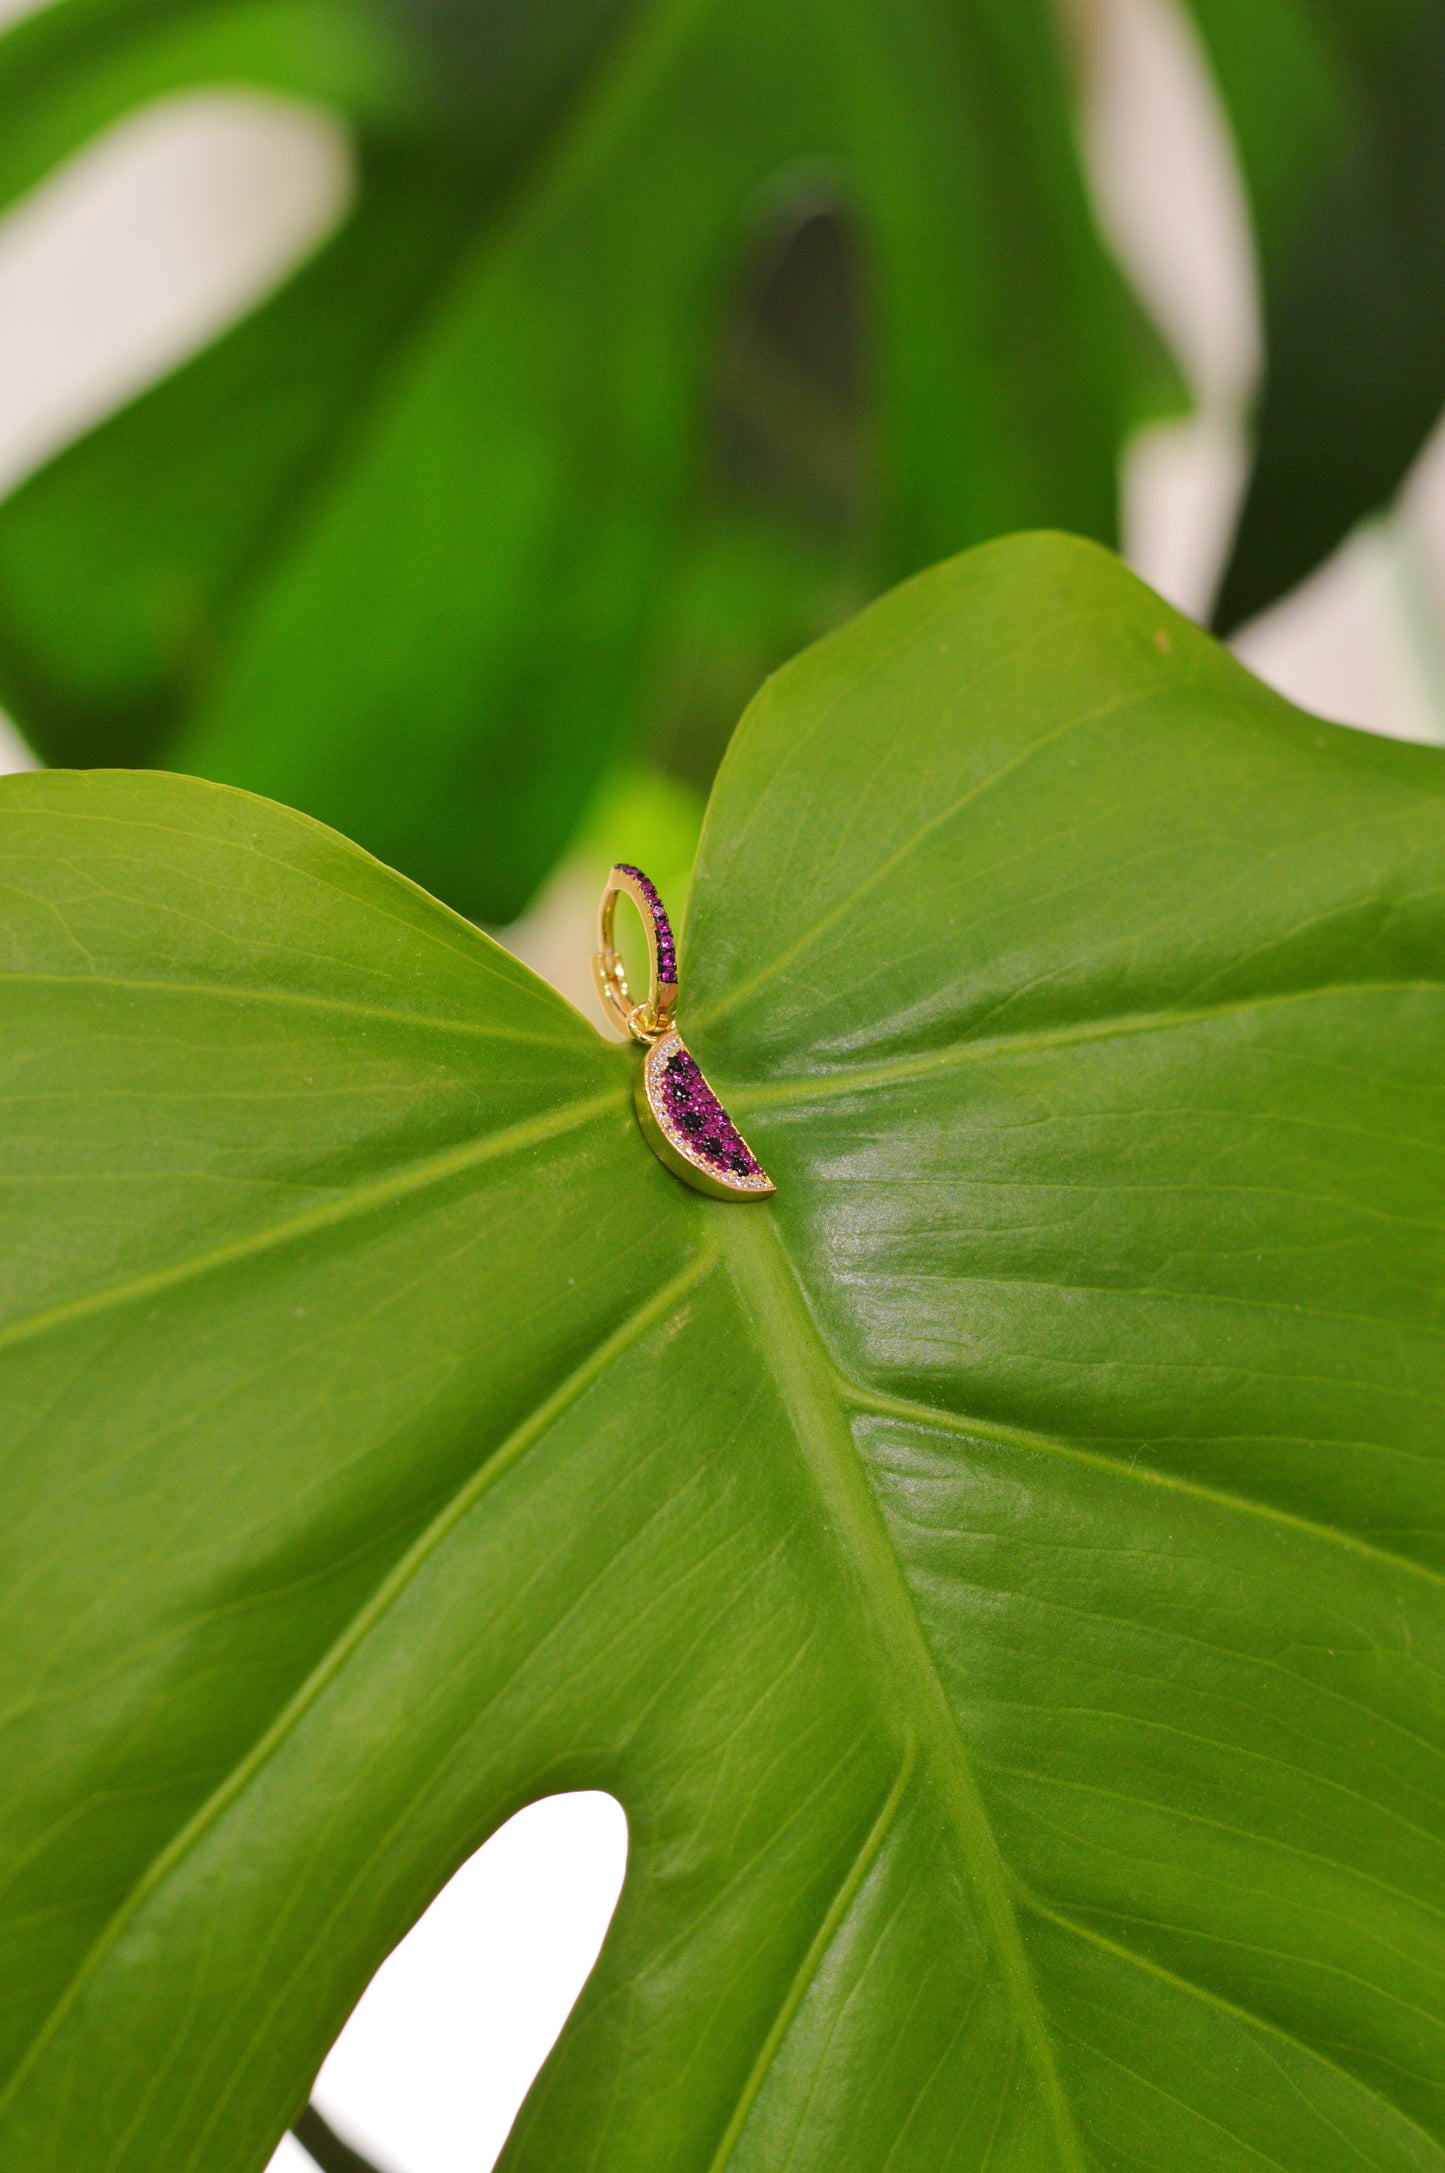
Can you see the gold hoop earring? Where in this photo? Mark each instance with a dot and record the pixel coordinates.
(681, 1118)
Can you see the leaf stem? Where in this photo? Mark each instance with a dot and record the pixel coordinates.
(321, 2142)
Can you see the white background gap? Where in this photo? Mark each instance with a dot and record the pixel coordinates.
(428, 2074)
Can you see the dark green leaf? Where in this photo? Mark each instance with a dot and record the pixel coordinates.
(1003, 1578)
(403, 549)
(1338, 108)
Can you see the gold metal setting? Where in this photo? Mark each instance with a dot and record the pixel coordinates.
(682, 1119)
(642, 1021)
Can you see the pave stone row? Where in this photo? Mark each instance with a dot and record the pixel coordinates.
(666, 948)
(695, 1119)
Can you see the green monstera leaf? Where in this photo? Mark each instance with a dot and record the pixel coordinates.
(1338, 109)
(409, 546)
(1002, 1576)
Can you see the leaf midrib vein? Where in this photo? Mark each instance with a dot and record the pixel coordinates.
(812, 1392)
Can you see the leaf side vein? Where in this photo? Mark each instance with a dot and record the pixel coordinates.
(900, 1071)
(296, 999)
(354, 1632)
(1118, 1467)
(1036, 1907)
(833, 1917)
(356, 1200)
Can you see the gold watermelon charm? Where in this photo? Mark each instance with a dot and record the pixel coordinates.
(688, 1129)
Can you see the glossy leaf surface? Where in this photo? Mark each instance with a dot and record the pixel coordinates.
(1338, 111)
(401, 549)
(1002, 1577)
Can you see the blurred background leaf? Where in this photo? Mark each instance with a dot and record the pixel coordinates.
(659, 337)
(1338, 113)
(655, 340)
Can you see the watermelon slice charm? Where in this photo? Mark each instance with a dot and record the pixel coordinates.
(682, 1119)
(688, 1129)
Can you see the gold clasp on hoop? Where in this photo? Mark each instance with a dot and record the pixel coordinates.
(649, 1020)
